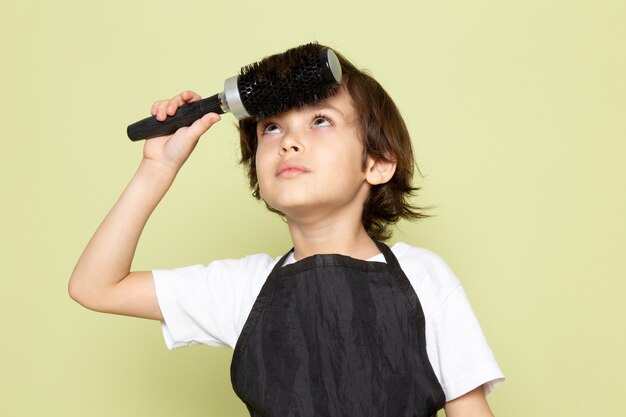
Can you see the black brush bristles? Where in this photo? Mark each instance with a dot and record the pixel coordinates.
(291, 79)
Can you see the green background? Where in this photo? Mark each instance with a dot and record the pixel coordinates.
(518, 114)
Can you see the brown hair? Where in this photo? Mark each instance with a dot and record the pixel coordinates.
(385, 137)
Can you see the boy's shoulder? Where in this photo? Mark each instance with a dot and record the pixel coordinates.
(253, 261)
(421, 260)
(429, 274)
(406, 251)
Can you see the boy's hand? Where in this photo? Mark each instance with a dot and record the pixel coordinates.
(172, 151)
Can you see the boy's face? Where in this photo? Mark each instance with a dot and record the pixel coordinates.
(309, 160)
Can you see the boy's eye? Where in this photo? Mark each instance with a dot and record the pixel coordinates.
(322, 121)
(270, 128)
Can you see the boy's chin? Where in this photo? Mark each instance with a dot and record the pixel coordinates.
(295, 211)
(288, 203)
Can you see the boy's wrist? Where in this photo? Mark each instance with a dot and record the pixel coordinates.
(152, 170)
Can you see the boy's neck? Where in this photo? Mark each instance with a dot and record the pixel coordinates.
(332, 238)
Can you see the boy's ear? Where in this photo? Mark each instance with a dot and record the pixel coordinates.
(379, 171)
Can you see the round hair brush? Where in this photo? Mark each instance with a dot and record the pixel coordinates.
(296, 77)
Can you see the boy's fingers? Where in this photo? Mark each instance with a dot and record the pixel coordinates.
(170, 106)
(203, 124)
(186, 95)
(173, 104)
(179, 100)
(155, 107)
(160, 109)
(189, 96)
(161, 114)
(163, 108)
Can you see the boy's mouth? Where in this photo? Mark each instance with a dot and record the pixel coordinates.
(290, 169)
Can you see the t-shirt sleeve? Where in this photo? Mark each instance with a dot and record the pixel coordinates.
(456, 346)
(460, 354)
(209, 304)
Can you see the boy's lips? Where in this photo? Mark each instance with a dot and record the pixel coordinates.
(290, 169)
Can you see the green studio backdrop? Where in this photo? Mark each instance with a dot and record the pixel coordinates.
(517, 110)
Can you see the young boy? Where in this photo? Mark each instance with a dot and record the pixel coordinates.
(340, 326)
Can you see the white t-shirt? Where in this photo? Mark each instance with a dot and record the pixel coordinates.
(210, 304)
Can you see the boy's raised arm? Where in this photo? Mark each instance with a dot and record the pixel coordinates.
(102, 279)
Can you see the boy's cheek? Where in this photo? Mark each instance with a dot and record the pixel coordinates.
(262, 187)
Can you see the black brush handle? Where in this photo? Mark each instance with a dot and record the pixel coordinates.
(185, 115)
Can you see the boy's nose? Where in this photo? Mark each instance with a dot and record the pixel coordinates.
(285, 149)
(290, 143)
